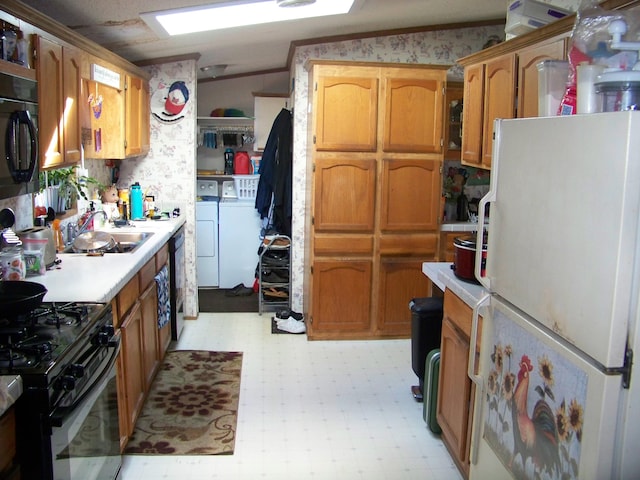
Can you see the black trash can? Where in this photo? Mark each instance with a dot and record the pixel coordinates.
(426, 328)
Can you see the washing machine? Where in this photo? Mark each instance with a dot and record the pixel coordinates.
(207, 251)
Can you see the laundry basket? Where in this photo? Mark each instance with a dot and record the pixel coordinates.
(246, 186)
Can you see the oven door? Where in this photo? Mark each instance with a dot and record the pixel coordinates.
(85, 440)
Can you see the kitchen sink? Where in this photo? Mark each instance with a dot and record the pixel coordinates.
(125, 242)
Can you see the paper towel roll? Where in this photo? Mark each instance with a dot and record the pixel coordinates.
(588, 100)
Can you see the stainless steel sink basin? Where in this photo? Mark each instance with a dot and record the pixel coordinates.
(125, 242)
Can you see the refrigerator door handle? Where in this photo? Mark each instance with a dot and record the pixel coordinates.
(480, 262)
(476, 378)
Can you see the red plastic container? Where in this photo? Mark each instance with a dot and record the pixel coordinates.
(241, 164)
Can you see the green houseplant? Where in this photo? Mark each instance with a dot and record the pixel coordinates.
(64, 187)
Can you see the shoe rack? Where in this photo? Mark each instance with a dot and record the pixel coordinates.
(274, 273)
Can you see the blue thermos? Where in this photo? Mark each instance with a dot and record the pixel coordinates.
(135, 198)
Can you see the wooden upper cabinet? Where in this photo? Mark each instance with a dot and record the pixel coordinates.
(49, 68)
(137, 116)
(528, 60)
(472, 115)
(499, 95)
(408, 188)
(453, 120)
(349, 107)
(106, 120)
(413, 114)
(73, 64)
(344, 195)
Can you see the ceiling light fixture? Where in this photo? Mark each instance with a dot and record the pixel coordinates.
(228, 15)
(214, 70)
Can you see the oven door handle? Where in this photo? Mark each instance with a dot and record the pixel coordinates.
(59, 414)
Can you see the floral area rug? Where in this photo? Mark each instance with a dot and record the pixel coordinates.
(192, 407)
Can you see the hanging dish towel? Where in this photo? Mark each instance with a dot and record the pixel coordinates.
(164, 305)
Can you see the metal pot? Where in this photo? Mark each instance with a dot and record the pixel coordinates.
(40, 233)
(93, 242)
(464, 260)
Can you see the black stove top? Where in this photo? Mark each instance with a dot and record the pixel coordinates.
(33, 342)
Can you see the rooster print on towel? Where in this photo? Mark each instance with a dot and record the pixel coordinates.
(535, 403)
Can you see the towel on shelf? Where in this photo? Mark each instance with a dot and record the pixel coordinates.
(164, 304)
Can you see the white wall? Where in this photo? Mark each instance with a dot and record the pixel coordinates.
(237, 92)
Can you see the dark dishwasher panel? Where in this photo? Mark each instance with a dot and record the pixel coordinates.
(176, 281)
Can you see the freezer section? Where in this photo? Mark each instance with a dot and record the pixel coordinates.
(545, 410)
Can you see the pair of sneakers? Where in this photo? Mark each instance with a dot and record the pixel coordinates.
(290, 321)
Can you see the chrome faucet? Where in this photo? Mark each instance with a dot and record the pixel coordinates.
(73, 230)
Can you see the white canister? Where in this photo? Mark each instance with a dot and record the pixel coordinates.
(12, 263)
(588, 100)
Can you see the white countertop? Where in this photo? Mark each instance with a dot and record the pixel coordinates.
(81, 278)
(441, 274)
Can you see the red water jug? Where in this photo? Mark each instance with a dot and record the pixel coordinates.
(241, 164)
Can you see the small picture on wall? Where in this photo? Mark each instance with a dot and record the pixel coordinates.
(167, 104)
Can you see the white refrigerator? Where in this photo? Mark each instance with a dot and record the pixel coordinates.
(556, 395)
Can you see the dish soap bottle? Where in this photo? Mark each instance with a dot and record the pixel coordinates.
(57, 235)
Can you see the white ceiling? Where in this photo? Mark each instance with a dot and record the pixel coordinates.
(116, 25)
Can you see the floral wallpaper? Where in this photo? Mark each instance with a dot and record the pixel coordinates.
(168, 172)
(440, 47)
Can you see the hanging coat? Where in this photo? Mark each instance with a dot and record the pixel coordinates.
(276, 173)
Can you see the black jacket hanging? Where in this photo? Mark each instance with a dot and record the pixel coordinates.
(276, 173)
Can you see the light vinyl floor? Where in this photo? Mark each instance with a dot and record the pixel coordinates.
(310, 410)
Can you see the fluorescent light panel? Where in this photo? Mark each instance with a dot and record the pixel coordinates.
(221, 16)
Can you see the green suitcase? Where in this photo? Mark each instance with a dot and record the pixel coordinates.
(430, 394)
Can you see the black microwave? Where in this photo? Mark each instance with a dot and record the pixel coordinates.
(18, 136)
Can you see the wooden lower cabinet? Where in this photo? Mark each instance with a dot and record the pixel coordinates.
(455, 390)
(343, 290)
(8, 445)
(143, 343)
(401, 279)
(447, 250)
(132, 366)
(150, 354)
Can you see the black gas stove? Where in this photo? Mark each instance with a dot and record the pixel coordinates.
(36, 342)
(66, 355)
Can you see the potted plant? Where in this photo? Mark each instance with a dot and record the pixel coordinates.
(64, 186)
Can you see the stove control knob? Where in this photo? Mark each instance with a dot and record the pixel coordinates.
(104, 336)
(77, 370)
(67, 382)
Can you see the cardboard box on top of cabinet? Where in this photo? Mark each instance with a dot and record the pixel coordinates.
(523, 16)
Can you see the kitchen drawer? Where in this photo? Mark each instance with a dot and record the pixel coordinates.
(461, 315)
(343, 244)
(409, 244)
(147, 274)
(127, 297)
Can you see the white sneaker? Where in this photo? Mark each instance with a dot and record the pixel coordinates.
(291, 325)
